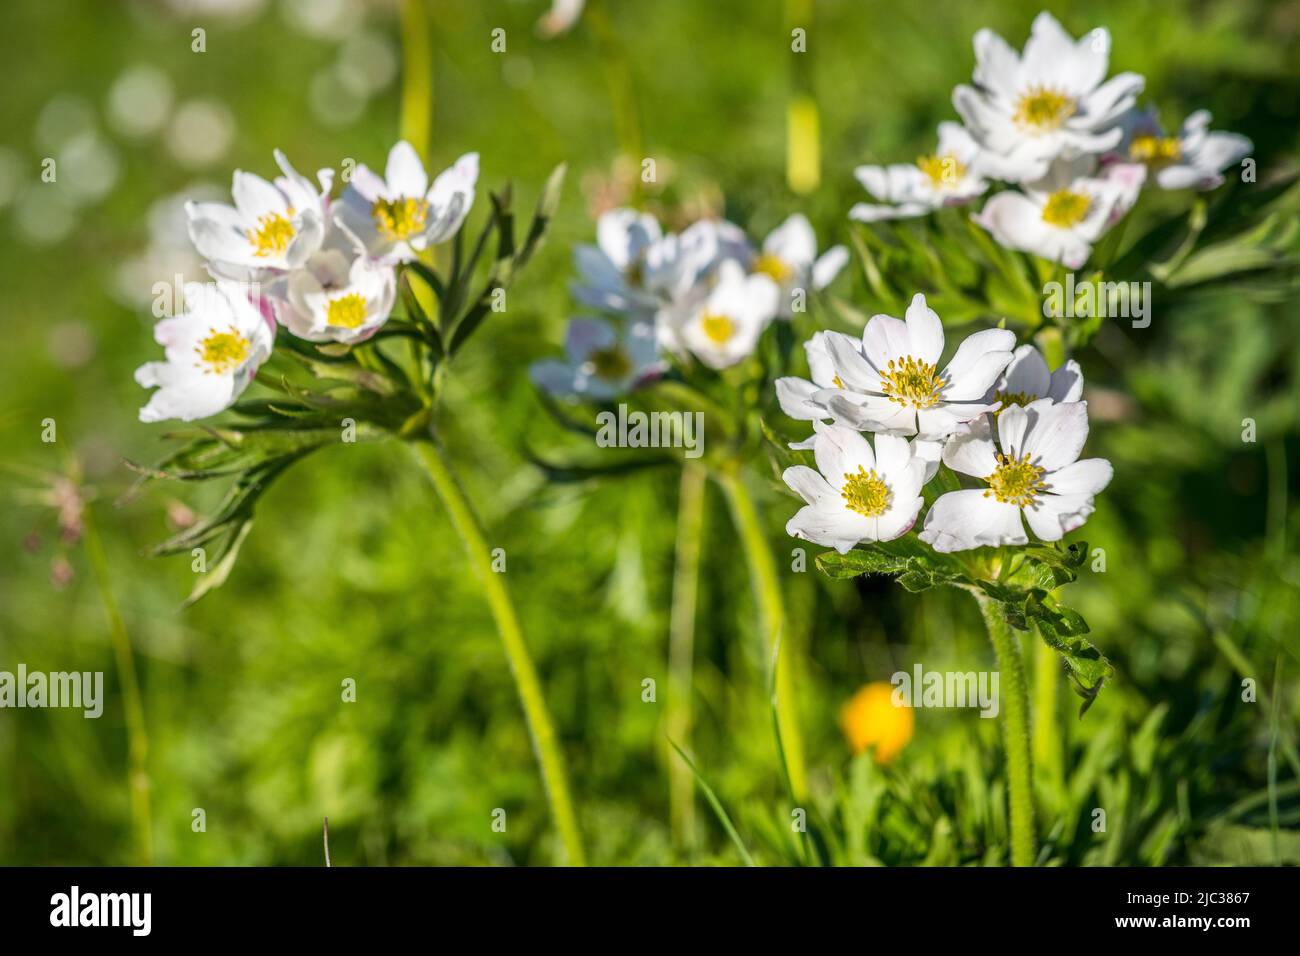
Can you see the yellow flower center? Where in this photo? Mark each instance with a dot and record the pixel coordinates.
(1065, 208)
(1015, 481)
(1043, 109)
(775, 267)
(1012, 398)
(910, 382)
(719, 328)
(222, 351)
(610, 364)
(347, 311)
(397, 219)
(273, 234)
(1155, 150)
(866, 493)
(836, 382)
(942, 170)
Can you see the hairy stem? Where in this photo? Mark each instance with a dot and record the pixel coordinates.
(537, 716)
(771, 612)
(1015, 699)
(681, 649)
(1047, 729)
(137, 737)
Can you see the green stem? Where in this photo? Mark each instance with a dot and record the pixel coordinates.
(545, 744)
(1047, 728)
(137, 738)
(771, 612)
(417, 77)
(1015, 700)
(681, 649)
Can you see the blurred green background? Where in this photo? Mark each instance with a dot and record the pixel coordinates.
(352, 571)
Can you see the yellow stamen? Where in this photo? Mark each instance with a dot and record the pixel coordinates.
(611, 364)
(1015, 481)
(397, 219)
(942, 170)
(347, 311)
(1155, 150)
(836, 382)
(775, 267)
(1012, 398)
(719, 328)
(221, 352)
(273, 234)
(866, 493)
(911, 382)
(1043, 109)
(1065, 208)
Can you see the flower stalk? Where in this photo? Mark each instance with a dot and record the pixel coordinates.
(1015, 730)
(771, 613)
(527, 683)
(137, 737)
(681, 650)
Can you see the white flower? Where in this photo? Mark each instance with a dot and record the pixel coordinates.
(213, 350)
(397, 217)
(1027, 380)
(340, 295)
(946, 178)
(1036, 473)
(1060, 216)
(613, 272)
(603, 360)
(856, 494)
(1194, 159)
(272, 227)
(561, 17)
(789, 257)
(1025, 111)
(797, 395)
(724, 328)
(892, 384)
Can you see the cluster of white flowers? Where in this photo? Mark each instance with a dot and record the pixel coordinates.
(286, 254)
(1075, 143)
(992, 413)
(706, 292)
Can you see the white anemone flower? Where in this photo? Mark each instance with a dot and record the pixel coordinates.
(1027, 110)
(340, 295)
(945, 178)
(272, 227)
(1033, 471)
(1060, 216)
(603, 360)
(797, 396)
(724, 328)
(1027, 379)
(400, 215)
(891, 382)
(213, 349)
(789, 257)
(1195, 158)
(856, 493)
(560, 18)
(613, 271)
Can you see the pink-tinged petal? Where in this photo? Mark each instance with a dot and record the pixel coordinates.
(971, 451)
(1056, 433)
(809, 485)
(900, 518)
(924, 331)
(961, 520)
(1086, 477)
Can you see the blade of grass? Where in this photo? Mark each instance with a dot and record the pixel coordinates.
(716, 804)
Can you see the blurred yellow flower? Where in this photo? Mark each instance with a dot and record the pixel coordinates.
(870, 719)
